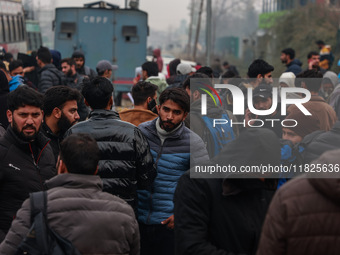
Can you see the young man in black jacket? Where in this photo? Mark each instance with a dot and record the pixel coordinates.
(26, 158)
(225, 215)
(126, 162)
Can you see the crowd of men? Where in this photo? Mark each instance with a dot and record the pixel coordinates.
(120, 182)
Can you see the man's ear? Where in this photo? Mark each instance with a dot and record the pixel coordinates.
(56, 113)
(148, 100)
(86, 103)
(196, 95)
(158, 107)
(95, 173)
(61, 167)
(185, 115)
(9, 116)
(259, 76)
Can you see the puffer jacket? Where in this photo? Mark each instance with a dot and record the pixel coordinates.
(304, 215)
(172, 159)
(50, 76)
(94, 221)
(125, 159)
(21, 172)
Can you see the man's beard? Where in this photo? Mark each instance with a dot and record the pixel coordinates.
(64, 124)
(284, 61)
(21, 135)
(168, 129)
(69, 73)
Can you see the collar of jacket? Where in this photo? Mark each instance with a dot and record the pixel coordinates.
(176, 135)
(48, 66)
(75, 181)
(104, 114)
(49, 132)
(11, 136)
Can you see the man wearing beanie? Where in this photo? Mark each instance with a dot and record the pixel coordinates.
(79, 57)
(305, 125)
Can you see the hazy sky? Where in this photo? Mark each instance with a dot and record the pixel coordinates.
(161, 13)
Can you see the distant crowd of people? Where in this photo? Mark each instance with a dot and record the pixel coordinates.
(120, 182)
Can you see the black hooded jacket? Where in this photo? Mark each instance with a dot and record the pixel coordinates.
(224, 216)
(23, 169)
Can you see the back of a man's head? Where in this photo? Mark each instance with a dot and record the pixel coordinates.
(207, 71)
(142, 91)
(195, 78)
(80, 154)
(290, 52)
(57, 96)
(312, 79)
(44, 55)
(23, 96)
(178, 96)
(97, 92)
(151, 68)
(259, 66)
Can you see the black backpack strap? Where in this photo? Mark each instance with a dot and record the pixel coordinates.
(39, 216)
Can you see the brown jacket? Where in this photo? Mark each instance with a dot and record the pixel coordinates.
(304, 216)
(137, 116)
(96, 222)
(320, 110)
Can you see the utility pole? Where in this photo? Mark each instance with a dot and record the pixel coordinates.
(192, 9)
(198, 29)
(208, 33)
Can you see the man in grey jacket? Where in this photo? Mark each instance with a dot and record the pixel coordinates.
(77, 209)
(49, 75)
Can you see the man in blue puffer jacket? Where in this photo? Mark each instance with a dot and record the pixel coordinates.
(170, 142)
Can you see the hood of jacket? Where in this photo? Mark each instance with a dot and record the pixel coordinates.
(333, 77)
(156, 53)
(329, 187)
(48, 66)
(295, 62)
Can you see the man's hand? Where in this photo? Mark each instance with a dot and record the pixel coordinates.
(170, 221)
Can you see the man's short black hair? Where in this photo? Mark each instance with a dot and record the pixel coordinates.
(312, 53)
(186, 83)
(142, 90)
(44, 55)
(177, 95)
(312, 78)
(57, 96)
(97, 92)
(259, 66)
(80, 154)
(69, 61)
(206, 70)
(23, 96)
(228, 74)
(151, 68)
(290, 52)
(15, 64)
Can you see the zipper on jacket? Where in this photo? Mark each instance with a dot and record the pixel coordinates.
(35, 162)
(152, 187)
